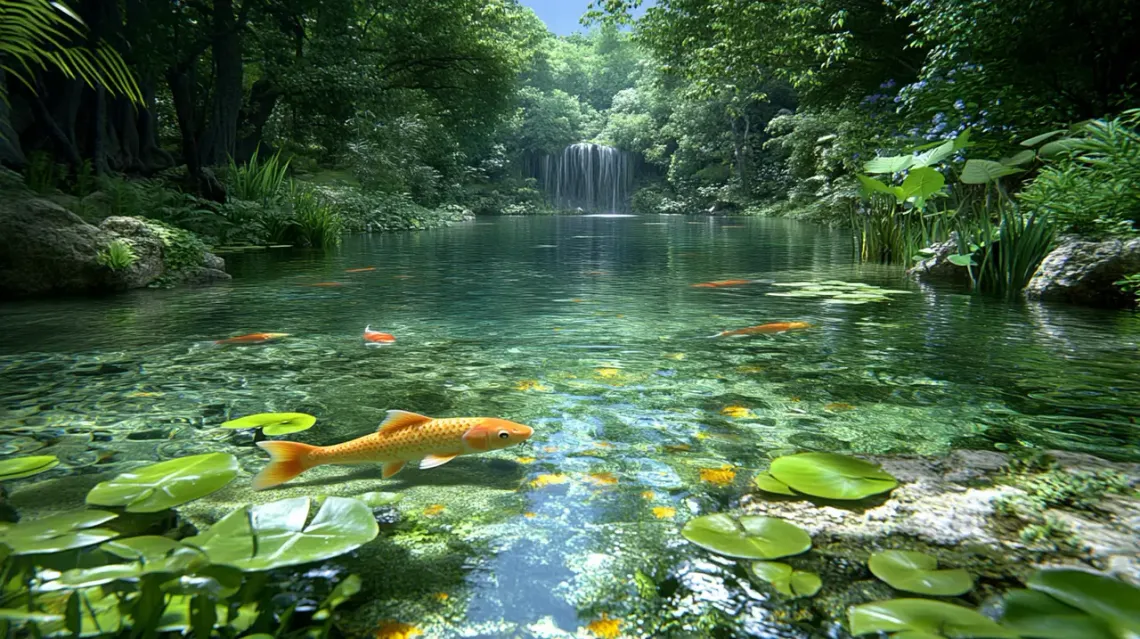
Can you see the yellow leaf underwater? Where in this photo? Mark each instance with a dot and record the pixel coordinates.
(664, 512)
(722, 476)
(838, 406)
(749, 370)
(648, 494)
(737, 412)
(433, 510)
(602, 479)
(605, 628)
(676, 356)
(531, 385)
(530, 515)
(441, 596)
(525, 460)
(397, 630)
(548, 479)
(608, 373)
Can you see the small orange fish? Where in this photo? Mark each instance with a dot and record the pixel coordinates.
(327, 284)
(252, 338)
(721, 283)
(402, 437)
(774, 327)
(360, 270)
(376, 337)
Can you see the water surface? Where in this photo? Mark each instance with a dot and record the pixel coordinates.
(588, 329)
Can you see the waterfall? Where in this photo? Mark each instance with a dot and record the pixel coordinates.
(587, 176)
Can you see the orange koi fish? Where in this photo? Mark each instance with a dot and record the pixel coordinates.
(252, 338)
(720, 283)
(402, 437)
(774, 327)
(360, 270)
(376, 337)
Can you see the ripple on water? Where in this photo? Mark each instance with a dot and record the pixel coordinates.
(625, 390)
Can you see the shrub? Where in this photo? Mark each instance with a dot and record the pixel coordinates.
(315, 221)
(1095, 188)
(258, 180)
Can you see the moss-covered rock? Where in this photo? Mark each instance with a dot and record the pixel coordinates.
(50, 250)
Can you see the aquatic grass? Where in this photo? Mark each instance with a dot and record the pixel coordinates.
(259, 180)
(316, 221)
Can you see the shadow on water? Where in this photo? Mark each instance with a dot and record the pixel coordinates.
(499, 474)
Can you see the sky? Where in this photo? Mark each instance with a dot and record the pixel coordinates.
(561, 16)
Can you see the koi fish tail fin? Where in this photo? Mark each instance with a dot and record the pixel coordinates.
(288, 459)
(720, 334)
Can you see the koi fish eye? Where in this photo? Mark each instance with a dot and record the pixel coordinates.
(504, 434)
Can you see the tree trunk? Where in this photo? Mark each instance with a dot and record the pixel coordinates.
(262, 100)
(182, 91)
(220, 139)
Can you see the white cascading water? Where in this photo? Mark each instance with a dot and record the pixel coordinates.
(588, 176)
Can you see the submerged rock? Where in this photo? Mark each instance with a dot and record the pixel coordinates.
(50, 250)
(958, 503)
(938, 267)
(1082, 272)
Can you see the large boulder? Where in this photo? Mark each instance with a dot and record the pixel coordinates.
(1083, 272)
(46, 249)
(937, 267)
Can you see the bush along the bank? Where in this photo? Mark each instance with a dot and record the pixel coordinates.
(911, 207)
(87, 573)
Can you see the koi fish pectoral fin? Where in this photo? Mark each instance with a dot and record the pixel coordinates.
(391, 468)
(432, 461)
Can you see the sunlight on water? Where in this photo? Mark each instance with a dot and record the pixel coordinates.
(590, 330)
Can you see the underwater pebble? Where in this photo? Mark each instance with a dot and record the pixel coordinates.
(146, 435)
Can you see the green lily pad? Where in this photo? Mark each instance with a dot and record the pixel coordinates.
(787, 581)
(769, 484)
(924, 618)
(273, 424)
(145, 548)
(1036, 614)
(166, 484)
(831, 476)
(917, 572)
(274, 535)
(23, 616)
(1103, 597)
(64, 531)
(98, 613)
(21, 467)
(749, 537)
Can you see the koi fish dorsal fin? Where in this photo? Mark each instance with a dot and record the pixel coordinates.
(399, 419)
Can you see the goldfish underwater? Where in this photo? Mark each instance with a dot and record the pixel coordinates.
(252, 338)
(376, 337)
(402, 437)
(721, 283)
(774, 327)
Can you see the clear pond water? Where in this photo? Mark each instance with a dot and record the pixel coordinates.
(589, 330)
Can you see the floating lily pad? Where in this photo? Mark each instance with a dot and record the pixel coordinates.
(914, 618)
(21, 467)
(166, 484)
(274, 535)
(273, 424)
(838, 292)
(1101, 596)
(1036, 614)
(749, 537)
(143, 548)
(768, 483)
(787, 581)
(917, 572)
(831, 476)
(64, 531)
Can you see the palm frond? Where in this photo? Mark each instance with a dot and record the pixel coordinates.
(38, 34)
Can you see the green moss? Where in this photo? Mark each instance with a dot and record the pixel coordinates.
(181, 251)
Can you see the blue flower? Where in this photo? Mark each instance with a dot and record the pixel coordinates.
(959, 104)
